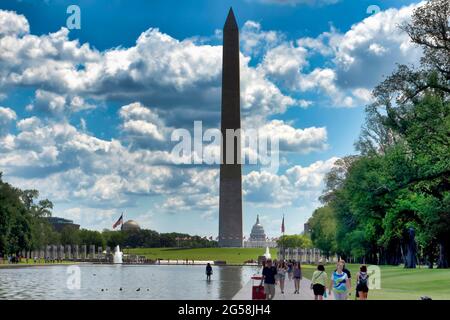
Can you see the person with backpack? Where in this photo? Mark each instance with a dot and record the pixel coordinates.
(318, 282)
(340, 283)
(362, 283)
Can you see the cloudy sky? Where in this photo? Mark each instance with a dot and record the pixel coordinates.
(86, 115)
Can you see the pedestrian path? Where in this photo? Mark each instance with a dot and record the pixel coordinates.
(305, 292)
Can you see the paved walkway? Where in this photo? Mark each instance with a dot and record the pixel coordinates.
(305, 292)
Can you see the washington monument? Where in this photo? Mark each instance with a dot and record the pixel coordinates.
(230, 203)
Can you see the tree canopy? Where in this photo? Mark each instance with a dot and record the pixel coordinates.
(294, 241)
(400, 179)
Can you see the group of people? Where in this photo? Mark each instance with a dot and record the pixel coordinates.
(275, 272)
(15, 259)
(339, 283)
(10, 259)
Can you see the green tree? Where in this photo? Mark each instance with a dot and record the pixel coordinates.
(70, 236)
(113, 238)
(401, 177)
(323, 226)
(43, 234)
(294, 241)
(15, 221)
(90, 237)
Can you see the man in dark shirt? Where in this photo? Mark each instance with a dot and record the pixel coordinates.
(268, 275)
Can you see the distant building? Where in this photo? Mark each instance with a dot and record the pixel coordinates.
(131, 225)
(258, 238)
(257, 233)
(60, 223)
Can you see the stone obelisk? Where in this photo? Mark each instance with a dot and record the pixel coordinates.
(230, 203)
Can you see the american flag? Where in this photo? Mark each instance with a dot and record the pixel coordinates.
(120, 221)
(282, 225)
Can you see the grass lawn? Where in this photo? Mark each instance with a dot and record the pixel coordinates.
(230, 255)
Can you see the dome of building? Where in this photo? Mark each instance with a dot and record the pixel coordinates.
(257, 233)
(131, 225)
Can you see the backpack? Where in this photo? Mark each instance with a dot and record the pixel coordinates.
(363, 281)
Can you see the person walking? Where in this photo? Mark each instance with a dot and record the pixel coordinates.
(362, 283)
(340, 283)
(268, 277)
(290, 270)
(318, 282)
(297, 276)
(281, 271)
(349, 275)
(209, 272)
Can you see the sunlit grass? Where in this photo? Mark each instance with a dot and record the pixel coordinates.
(230, 255)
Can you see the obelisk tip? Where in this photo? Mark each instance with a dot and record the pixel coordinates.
(230, 23)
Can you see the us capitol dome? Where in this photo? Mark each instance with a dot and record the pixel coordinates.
(258, 238)
(131, 225)
(257, 233)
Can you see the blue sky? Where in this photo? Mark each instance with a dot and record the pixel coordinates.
(86, 115)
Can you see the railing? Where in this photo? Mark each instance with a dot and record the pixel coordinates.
(304, 255)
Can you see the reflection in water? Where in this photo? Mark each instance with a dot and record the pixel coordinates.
(124, 282)
(231, 279)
